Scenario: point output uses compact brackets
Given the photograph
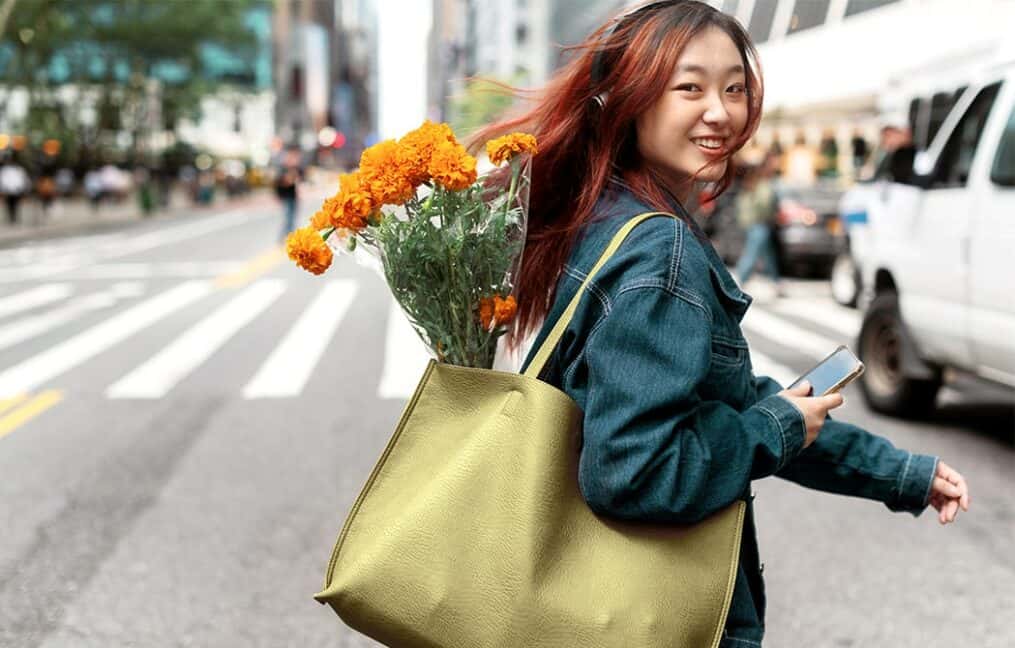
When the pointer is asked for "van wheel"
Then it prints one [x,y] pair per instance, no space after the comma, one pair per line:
[845,280]
[884,385]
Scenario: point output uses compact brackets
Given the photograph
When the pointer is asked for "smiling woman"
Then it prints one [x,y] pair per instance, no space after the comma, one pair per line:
[675,425]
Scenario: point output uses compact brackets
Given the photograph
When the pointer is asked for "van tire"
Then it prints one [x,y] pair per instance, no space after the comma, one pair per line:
[845,280]
[885,387]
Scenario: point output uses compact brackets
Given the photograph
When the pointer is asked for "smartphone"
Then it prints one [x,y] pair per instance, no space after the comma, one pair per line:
[833,373]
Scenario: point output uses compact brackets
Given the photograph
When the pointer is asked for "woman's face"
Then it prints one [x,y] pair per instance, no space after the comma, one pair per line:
[696,119]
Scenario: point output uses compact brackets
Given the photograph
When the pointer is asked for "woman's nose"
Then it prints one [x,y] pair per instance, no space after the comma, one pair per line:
[716,112]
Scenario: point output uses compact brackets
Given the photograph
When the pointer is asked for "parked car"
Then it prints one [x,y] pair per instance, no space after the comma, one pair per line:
[810,235]
[936,272]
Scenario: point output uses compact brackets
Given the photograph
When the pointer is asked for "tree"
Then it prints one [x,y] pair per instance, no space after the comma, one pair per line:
[133,65]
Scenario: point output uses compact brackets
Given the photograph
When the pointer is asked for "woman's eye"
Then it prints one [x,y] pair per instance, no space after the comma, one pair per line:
[738,89]
[689,87]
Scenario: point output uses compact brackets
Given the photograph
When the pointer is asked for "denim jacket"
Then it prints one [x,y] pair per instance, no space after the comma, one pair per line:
[676,424]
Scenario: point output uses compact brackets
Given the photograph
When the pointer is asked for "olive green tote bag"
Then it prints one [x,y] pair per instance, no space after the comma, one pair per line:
[471,531]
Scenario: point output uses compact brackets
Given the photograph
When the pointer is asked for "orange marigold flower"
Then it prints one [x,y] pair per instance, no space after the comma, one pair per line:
[354,203]
[323,217]
[306,247]
[504,309]
[417,149]
[494,310]
[486,312]
[452,166]
[504,148]
[383,169]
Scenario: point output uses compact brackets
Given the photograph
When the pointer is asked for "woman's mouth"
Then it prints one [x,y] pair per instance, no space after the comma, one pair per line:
[710,146]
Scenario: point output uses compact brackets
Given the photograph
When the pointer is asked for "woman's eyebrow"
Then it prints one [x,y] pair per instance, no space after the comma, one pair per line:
[692,67]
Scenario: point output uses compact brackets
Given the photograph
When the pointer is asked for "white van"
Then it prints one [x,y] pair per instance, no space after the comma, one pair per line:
[938,261]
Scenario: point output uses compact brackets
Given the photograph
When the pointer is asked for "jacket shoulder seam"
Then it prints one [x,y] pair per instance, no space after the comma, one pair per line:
[592,287]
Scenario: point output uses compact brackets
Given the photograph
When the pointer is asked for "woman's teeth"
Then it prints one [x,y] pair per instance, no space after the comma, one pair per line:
[712,144]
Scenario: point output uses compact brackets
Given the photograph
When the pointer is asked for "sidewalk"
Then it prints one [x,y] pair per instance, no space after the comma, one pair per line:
[69,216]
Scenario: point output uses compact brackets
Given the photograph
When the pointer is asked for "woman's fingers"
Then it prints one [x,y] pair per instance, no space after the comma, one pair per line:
[946,488]
[953,476]
[952,508]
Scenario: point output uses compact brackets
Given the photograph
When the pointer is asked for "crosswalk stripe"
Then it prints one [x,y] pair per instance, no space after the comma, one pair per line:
[766,366]
[133,245]
[34,298]
[405,357]
[162,372]
[287,369]
[54,361]
[147,270]
[783,333]
[843,321]
[29,327]
[29,410]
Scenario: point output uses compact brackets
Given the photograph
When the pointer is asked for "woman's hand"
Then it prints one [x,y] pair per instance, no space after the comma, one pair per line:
[814,408]
[948,493]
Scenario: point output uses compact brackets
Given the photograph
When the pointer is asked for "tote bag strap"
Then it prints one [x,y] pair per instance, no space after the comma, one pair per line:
[536,366]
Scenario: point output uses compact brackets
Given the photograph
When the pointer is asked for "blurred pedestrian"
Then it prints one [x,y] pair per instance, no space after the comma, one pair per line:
[45,189]
[675,425]
[799,164]
[14,184]
[896,154]
[93,188]
[757,207]
[829,152]
[289,174]
[860,149]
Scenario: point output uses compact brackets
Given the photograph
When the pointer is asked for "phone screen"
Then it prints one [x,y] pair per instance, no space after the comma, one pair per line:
[831,370]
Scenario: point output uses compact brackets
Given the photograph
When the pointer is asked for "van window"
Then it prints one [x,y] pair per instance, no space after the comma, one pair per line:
[957,156]
[1003,171]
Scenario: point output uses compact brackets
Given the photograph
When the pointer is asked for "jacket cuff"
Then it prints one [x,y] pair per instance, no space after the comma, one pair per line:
[788,423]
[912,490]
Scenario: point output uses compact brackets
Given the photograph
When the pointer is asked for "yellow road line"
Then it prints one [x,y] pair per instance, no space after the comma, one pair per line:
[29,410]
[257,266]
[7,403]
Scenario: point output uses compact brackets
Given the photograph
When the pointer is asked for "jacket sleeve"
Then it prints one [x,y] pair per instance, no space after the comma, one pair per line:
[652,448]
[848,460]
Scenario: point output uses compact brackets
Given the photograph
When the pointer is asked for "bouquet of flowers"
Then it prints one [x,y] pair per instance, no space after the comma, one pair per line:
[450,242]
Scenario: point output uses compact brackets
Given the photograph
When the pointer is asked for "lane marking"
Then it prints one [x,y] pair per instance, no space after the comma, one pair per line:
[56,360]
[405,356]
[34,298]
[29,327]
[842,320]
[29,411]
[257,266]
[162,372]
[766,366]
[158,238]
[286,371]
[7,403]
[791,336]
[165,269]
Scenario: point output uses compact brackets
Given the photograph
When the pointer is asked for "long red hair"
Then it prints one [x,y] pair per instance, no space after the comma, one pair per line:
[581,144]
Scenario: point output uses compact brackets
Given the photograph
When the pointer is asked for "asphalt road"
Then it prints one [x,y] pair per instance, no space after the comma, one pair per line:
[171,479]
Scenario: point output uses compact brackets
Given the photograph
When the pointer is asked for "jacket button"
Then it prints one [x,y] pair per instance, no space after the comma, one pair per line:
[761,568]
[753,495]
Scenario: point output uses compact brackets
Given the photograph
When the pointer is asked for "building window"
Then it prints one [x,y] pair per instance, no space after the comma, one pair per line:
[760,25]
[521,34]
[808,14]
[854,7]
